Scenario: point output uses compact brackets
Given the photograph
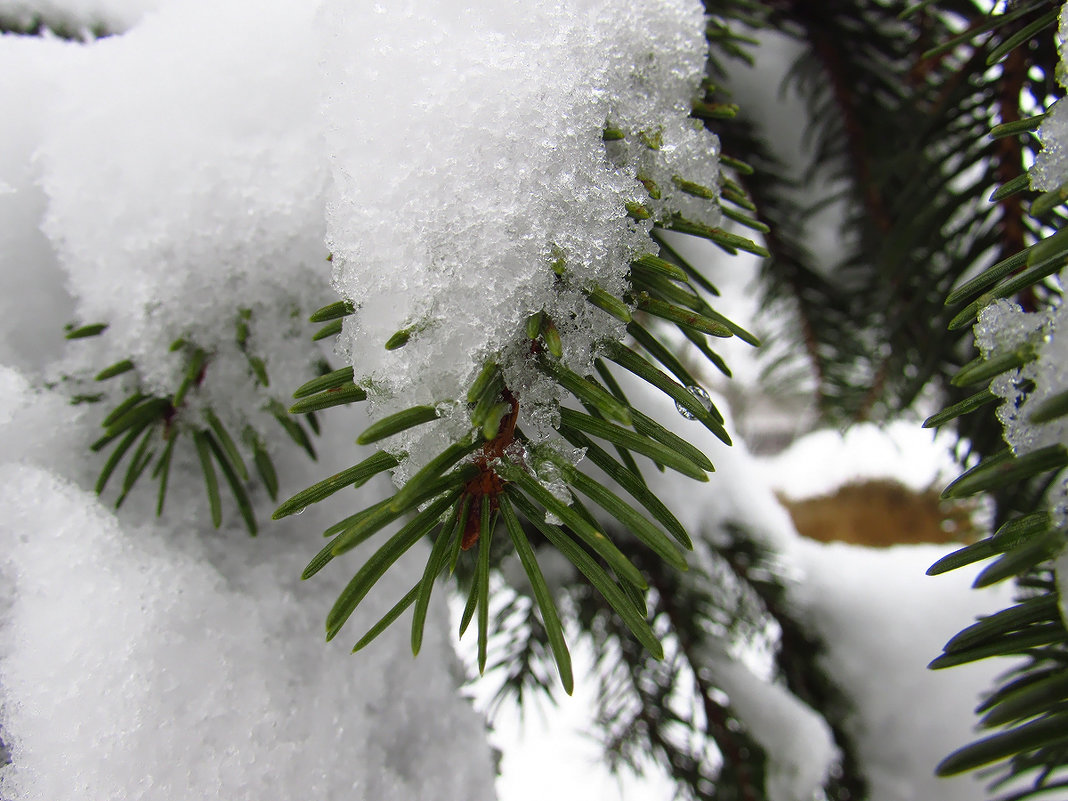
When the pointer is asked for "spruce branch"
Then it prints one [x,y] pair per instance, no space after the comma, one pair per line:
[156,423]
[1026,706]
[495,471]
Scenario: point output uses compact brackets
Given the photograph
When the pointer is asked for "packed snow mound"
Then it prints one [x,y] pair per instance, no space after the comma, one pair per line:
[473,187]
[165,660]
[140,663]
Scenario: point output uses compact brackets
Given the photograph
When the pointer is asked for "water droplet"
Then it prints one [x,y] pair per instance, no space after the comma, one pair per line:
[702,397]
[300,511]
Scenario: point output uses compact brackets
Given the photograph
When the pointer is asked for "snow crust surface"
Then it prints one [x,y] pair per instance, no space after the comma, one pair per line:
[139,667]
[481,166]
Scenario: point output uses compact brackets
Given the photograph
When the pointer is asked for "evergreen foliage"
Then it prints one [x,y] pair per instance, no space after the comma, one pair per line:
[510,479]
[923,122]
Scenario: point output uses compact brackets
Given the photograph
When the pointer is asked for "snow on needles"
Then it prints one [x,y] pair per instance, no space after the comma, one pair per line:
[469,159]
[184,177]
[1050,169]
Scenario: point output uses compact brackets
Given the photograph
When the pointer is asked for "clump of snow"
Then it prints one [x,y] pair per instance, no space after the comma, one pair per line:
[1050,169]
[825,459]
[1002,327]
[183,189]
[469,160]
[148,664]
[799,743]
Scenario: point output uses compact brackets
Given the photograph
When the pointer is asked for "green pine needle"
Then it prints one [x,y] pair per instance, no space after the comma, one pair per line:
[489,371]
[331,380]
[331,329]
[162,471]
[486,525]
[633,484]
[114,370]
[418,483]
[655,264]
[294,429]
[609,303]
[435,565]
[92,330]
[1051,409]
[1046,731]
[631,441]
[371,520]
[262,460]
[193,373]
[588,533]
[681,316]
[631,520]
[587,391]
[554,631]
[211,482]
[376,566]
[226,441]
[593,572]
[395,423]
[551,336]
[387,619]
[966,406]
[355,476]
[1003,469]
[244,504]
[982,369]
[332,311]
[338,396]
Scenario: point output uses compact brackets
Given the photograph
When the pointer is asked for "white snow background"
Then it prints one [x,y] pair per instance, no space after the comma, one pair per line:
[163,660]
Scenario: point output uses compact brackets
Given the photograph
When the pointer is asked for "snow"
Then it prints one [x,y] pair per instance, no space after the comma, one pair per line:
[151,660]
[161,181]
[30,75]
[140,665]
[453,201]
[798,741]
[1003,327]
[181,190]
[881,618]
[206,161]
[1050,169]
